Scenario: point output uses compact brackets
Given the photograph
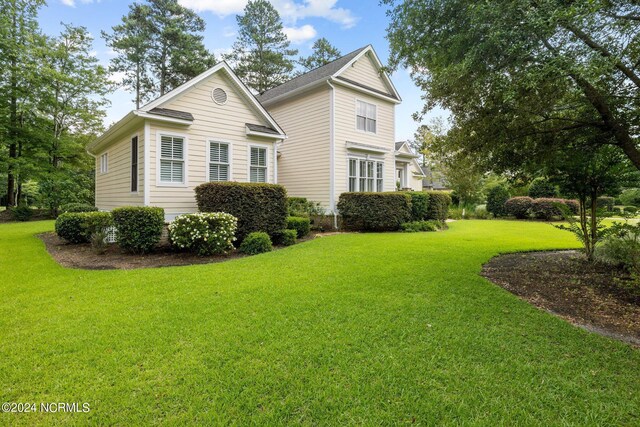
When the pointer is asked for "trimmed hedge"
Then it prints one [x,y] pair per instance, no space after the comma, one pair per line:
[496,198]
[301,225]
[256,243]
[573,205]
[439,203]
[78,207]
[139,227]
[258,207]
[285,237]
[419,205]
[77,227]
[547,208]
[417,226]
[374,211]
[520,207]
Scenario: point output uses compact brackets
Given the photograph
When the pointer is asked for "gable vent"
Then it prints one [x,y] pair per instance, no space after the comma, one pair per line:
[219,96]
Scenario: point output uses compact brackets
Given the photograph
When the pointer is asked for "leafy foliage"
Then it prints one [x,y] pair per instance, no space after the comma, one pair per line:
[547,208]
[439,202]
[419,205]
[496,199]
[71,227]
[605,203]
[139,227]
[541,187]
[323,52]
[630,197]
[416,226]
[257,242]
[205,233]
[22,213]
[374,211]
[519,207]
[300,206]
[302,225]
[77,207]
[285,237]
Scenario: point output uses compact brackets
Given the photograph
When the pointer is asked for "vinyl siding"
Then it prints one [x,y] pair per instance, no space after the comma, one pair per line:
[303,167]
[345,111]
[364,71]
[113,189]
[224,123]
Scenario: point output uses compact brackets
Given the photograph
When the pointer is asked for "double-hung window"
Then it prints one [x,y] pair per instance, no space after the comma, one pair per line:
[218,161]
[134,164]
[172,168]
[366,175]
[258,165]
[104,163]
[366,117]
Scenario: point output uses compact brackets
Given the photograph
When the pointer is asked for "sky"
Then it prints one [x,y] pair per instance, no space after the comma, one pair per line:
[347,24]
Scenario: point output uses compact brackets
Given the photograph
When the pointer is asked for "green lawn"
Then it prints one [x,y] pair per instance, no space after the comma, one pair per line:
[349,329]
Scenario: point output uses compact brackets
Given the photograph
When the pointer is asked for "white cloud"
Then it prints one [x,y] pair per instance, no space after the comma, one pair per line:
[72,3]
[117,77]
[299,35]
[290,10]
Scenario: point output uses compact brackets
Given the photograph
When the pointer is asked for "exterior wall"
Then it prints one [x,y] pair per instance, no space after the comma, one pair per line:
[113,189]
[303,166]
[345,122]
[364,71]
[415,182]
[224,123]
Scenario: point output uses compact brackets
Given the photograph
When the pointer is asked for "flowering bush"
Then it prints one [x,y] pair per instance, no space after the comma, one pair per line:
[205,233]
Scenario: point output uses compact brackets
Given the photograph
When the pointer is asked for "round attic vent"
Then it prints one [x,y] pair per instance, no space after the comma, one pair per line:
[219,96]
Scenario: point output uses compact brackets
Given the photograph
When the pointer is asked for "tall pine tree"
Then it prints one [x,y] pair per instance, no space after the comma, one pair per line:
[323,53]
[261,54]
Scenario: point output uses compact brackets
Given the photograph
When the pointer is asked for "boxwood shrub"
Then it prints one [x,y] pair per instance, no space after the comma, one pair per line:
[139,227]
[255,243]
[71,227]
[203,233]
[520,207]
[258,207]
[300,224]
[419,205]
[374,211]
[285,237]
[439,203]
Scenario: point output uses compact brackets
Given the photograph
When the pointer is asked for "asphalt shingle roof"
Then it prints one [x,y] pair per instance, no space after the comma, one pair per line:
[171,113]
[260,128]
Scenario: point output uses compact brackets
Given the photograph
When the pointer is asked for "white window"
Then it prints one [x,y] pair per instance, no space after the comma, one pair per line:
[171,159]
[218,161]
[258,165]
[104,163]
[366,117]
[366,175]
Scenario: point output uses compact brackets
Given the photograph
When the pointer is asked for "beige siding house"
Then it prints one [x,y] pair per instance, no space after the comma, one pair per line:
[209,129]
[339,121]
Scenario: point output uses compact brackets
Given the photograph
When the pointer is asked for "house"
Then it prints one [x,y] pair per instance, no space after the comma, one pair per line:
[212,128]
[433,180]
[339,121]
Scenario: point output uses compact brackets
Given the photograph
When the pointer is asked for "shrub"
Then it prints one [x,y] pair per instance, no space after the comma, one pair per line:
[573,205]
[416,226]
[496,198]
[605,203]
[300,206]
[419,205]
[285,237]
[203,233]
[630,210]
[630,197]
[300,224]
[258,207]
[22,213]
[374,211]
[139,227]
[77,207]
[439,203]
[97,221]
[520,207]
[547,208]
[481,212]
[71,226]
[542,188]
[622,248]
[256,242]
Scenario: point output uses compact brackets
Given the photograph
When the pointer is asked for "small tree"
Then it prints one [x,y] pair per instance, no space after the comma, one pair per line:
[541,187]
[496,198]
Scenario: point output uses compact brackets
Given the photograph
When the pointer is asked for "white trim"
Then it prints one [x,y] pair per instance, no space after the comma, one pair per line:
[185,154]
[147,162]
[160,118]
[275,162]
[375,160]
[104,165]
[365,131]
[135,135]
[356,146]
[208,157]
[266,158]
[263,134]
[332,154]
[365,90]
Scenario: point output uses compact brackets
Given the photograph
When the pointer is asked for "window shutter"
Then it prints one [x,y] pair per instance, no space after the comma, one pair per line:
[165,170]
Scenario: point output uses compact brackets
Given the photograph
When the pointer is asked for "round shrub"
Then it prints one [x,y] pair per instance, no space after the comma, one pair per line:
[496,198]
[139,227]
[285,237]
[204,233]
[70,226]
[542,188]
[520,207]
[22,213]
[256,243]
[77,207]
[300,224]
[547,208]
[95,222]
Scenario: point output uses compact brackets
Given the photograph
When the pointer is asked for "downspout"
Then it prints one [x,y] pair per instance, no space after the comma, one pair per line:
[332,159]
[147,161]
[275,161]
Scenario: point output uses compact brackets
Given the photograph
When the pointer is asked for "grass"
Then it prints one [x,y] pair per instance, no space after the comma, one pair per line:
[348,329]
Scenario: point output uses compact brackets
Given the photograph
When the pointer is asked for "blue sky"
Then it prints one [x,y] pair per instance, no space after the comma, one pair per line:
[348,24]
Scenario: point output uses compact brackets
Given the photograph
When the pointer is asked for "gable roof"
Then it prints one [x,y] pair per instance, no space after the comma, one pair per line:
[171,113]
[329,72]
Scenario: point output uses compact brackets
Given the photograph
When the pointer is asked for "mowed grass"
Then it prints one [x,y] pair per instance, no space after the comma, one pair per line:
[348,329]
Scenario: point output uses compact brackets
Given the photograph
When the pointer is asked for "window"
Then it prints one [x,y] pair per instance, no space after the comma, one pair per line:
[171,159]
[258,165]
[218,161]
[366,175]
[366,117]
[104,163]
[134,164]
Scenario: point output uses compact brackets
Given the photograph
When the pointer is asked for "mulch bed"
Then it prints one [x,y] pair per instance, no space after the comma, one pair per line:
[84,257]
[591,296]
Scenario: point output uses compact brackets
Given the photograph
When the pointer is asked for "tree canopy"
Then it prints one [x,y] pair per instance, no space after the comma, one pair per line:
[323,52]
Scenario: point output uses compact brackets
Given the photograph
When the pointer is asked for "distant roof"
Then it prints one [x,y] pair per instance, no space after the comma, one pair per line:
[320,73]
[399,145]
[260,128]
[171,113]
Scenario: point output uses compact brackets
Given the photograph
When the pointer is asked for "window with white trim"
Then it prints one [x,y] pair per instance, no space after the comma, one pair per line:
[218,161]
[171,159]
[366,175]
[366,117]
[104,163]
[258,165]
